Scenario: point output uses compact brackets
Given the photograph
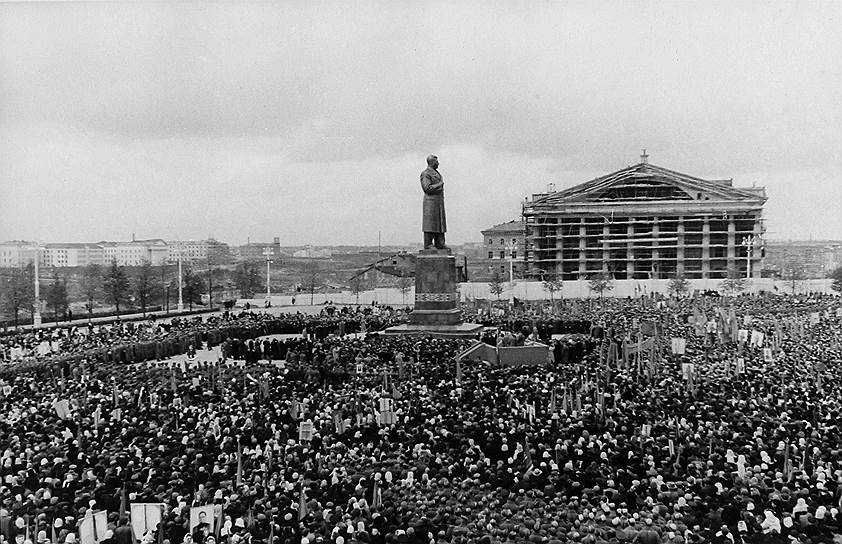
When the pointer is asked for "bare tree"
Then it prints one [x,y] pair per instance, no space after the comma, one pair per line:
[18,291]
[496,283]
[115,284]
[734,284]
[404,284]
[91,285]
[143,285]
[793,273]
[552,283]
[600,283]
[358,284]
[312,276]
[836,276]
[193,286]
[57,295]
[678,286]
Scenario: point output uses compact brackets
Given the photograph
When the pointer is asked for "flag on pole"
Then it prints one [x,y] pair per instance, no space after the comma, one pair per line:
[527,455]
[458,372]
[552,402]
[239,463]
[787,464]
[123,502]
[302,505]
[376,495]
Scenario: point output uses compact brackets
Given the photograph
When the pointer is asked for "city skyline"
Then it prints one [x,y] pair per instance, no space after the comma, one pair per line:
[257,120]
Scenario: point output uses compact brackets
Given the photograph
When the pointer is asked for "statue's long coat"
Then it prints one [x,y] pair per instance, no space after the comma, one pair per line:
[434,219]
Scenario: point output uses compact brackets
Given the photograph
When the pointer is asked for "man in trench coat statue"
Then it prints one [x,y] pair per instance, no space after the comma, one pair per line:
[434,223]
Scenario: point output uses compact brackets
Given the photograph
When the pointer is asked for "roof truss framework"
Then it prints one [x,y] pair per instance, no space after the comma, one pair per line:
[649,183]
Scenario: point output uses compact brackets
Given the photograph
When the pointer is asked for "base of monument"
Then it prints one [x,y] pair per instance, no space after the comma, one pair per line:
[461,330]
[435,318]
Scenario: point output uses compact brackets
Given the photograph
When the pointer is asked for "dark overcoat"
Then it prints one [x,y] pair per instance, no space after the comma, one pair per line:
[433,186]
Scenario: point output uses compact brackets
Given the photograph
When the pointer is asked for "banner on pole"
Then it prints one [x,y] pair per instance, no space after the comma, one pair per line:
[93,526]
[305,431]
[679,346]
[62,408]
[202,518]
[145,517]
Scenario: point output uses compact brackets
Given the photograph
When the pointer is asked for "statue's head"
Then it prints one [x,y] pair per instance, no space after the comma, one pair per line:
[432,161]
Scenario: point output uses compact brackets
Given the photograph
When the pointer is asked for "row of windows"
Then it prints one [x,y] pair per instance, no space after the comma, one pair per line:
[502,254]
[489,241]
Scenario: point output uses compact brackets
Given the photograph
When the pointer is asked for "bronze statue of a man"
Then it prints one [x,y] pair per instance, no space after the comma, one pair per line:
[434,223]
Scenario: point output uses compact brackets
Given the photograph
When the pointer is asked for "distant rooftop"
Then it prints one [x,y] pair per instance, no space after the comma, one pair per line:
[510,226]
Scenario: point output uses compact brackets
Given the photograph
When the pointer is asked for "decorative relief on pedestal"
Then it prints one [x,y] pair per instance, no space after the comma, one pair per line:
[435,297]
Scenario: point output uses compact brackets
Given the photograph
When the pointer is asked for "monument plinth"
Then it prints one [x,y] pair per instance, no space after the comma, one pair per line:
[436,310]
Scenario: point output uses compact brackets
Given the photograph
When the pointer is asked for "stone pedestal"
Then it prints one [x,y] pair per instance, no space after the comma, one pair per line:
[436,300]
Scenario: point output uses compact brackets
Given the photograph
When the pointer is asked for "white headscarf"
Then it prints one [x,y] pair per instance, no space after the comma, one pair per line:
[771,524]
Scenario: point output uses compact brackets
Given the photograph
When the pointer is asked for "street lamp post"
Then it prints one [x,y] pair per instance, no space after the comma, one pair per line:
[180,299]
[36,314]
[268,252]
[749,242]
[511,249]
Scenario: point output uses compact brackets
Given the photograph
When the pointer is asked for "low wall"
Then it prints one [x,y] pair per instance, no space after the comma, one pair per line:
[534,290]
[479,353]
[537,354]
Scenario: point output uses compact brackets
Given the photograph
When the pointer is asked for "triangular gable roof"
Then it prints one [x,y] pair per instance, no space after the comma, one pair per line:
[666,185]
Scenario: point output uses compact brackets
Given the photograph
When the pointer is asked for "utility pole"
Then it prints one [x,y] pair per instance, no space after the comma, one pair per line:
[163,285]
[511,249]
[210,282]
[180,306]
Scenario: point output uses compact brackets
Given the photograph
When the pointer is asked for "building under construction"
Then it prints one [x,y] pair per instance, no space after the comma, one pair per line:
[644,222]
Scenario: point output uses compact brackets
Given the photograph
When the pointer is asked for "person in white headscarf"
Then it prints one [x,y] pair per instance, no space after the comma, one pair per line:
[770,524]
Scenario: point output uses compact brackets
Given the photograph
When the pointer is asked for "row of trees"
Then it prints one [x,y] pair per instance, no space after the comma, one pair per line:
[112,285]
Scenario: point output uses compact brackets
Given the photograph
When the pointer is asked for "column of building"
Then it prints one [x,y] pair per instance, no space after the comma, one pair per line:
[630,249]
[656,254]
[757,249]
[705,247]
[606,252]
[582,248]
[732,245]
[679,250]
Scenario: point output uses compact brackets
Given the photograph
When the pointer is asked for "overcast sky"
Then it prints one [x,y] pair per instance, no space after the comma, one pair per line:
[311,121]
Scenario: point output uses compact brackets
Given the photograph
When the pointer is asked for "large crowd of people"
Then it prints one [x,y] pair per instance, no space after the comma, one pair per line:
[730,435]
